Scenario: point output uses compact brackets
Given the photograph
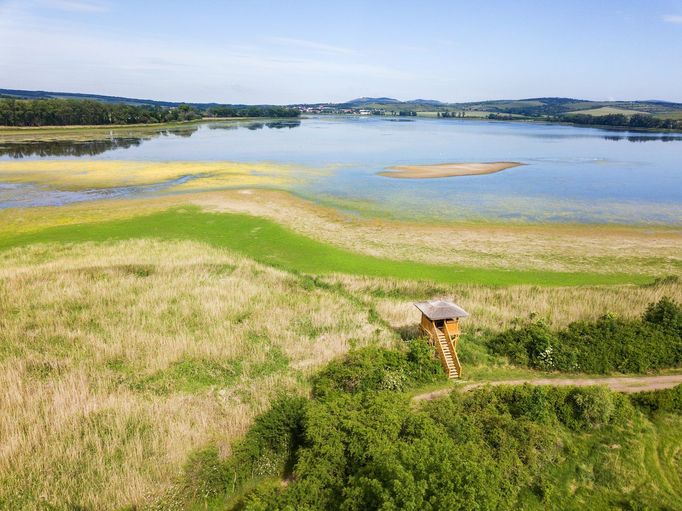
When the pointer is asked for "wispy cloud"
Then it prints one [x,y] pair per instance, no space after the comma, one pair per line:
[65,55]
[78,5]
[311,45]
[673,18]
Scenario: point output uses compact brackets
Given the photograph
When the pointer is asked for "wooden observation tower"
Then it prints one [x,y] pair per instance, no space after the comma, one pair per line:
[440,321]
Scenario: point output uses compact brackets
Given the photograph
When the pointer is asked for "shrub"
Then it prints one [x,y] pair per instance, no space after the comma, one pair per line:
[665,314]
[373,368]
[267,450]
[370,451]
[527,345]
[475,450]
[603,346]
[667,400]
[206,475]
[574,407]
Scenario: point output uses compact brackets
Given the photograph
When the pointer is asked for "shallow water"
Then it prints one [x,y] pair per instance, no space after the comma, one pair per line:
[27,195]
[570,174]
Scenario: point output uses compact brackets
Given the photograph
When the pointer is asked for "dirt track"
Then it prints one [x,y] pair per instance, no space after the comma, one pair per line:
[627,384]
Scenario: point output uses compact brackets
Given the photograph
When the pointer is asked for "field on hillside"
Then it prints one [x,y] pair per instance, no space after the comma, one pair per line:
[606,110]
[670,115]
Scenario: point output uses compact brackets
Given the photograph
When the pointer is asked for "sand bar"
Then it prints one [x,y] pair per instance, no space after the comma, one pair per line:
[447,169]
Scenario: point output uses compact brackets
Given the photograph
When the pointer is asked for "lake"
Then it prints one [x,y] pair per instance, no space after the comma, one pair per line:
[571,174]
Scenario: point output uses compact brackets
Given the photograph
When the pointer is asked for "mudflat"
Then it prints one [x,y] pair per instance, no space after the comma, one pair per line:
[447,169]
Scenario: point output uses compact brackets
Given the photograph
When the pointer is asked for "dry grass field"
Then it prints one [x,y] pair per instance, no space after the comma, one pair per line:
[120,358]
[117,360]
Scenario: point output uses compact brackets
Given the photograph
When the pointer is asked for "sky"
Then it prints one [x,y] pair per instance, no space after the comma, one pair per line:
[296,51]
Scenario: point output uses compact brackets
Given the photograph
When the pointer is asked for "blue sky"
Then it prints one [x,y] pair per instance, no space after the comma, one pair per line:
[308,51]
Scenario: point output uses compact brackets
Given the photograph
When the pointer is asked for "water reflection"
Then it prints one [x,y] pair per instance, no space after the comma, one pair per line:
[257,125]
[66,148]
[120,139]
[93,147]
[643,138]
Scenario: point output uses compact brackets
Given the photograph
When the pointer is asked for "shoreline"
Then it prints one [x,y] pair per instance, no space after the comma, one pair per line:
[10,130]
[441,170]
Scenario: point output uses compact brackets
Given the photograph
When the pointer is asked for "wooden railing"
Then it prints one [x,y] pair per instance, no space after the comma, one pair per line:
[434,334]
[452,344]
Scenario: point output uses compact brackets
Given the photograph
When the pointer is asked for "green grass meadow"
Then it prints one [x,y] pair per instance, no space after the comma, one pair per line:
[269,243]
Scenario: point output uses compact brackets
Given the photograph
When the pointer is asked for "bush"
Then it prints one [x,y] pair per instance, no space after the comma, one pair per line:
[370,451]
[267,450]
[578,408]
[667,400]
[357,445]
[666,314]
[528,345]
[269,446]
[475,450]
[603,346]
[377,369]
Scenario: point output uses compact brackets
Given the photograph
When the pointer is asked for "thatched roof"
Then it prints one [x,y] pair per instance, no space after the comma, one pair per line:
[440,309]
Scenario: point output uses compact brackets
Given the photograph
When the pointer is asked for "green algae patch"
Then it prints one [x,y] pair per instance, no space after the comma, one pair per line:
[270,243]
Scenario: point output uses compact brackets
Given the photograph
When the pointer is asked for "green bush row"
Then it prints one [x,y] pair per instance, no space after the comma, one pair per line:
[380,369]
[479,450]
[604,346]
[658,401]
[359,444]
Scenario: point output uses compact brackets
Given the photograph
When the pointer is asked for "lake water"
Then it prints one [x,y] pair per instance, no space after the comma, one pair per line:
[571,174]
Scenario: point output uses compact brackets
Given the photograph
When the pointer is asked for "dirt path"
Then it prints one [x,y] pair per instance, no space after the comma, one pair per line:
[627,384]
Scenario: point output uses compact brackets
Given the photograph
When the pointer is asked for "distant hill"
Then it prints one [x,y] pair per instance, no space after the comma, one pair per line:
[29,94]
[360,102]
[529,107]
[426,102]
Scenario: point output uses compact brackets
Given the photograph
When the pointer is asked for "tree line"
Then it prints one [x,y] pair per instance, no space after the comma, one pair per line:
[73,112]
[636,121]
[619,120]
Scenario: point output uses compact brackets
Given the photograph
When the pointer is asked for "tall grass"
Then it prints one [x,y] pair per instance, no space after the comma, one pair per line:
[128,343]
[116,360]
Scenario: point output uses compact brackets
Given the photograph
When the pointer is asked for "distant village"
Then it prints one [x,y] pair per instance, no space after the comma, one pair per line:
[344,109]
[335,109]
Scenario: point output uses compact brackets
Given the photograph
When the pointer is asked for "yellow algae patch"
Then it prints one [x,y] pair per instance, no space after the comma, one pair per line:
[21,220]
[81,175]
[447,169]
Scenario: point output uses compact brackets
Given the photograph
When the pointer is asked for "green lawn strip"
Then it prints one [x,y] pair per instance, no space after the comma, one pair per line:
[270,243]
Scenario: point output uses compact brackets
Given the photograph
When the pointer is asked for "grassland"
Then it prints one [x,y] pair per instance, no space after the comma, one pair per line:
[119,358]
[557,248]
[670,115]
[81,133]
[267,242]
[134,332]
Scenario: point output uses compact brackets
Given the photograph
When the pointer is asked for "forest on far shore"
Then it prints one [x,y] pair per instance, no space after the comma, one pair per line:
[74,112]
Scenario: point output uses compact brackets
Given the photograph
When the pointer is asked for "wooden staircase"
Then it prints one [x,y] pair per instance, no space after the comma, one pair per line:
[440,322]
[447,354]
